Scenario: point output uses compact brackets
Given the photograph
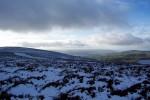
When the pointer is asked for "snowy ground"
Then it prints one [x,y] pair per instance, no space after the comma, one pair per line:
[146,62]
[72,80]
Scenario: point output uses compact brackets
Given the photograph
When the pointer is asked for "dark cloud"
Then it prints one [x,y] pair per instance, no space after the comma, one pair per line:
[30,15]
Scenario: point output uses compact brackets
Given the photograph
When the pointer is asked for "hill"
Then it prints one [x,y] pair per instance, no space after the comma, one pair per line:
[88,52]
[131,56]
[33,53]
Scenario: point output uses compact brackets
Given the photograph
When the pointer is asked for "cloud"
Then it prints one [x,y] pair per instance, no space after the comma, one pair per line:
[35,15]
[118,40]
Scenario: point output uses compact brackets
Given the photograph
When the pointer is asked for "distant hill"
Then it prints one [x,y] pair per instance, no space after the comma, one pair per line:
[88,52]
[125,56]
[33,53]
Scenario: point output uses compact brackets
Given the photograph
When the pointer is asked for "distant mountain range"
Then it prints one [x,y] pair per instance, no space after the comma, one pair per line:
[102,55]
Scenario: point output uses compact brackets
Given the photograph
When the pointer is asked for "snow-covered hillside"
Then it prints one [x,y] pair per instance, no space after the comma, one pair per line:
[23,76]
[35,53]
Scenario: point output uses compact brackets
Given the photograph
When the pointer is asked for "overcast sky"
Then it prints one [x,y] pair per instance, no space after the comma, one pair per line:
[75,24]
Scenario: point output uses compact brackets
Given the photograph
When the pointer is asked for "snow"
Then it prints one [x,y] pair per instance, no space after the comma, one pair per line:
[50,92]
[27,56]
[147,62]
[127,81]
[120,98]
[24,89]
[50,78]
[23,55]
[4,76]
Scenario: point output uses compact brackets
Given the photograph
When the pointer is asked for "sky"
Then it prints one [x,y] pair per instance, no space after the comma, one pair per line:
[75,24]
